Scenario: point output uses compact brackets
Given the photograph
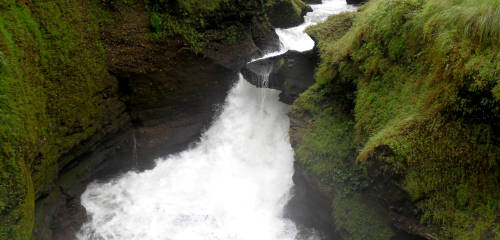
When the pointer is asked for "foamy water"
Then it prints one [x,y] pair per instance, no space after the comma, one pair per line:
[233,185]
[295,39]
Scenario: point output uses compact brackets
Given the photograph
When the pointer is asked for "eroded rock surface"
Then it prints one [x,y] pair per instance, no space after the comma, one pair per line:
[292,73]
[171,95]
[287,13]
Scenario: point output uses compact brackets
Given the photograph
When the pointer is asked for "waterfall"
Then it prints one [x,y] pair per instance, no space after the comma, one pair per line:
[134,149]
[263,82]
[232,185]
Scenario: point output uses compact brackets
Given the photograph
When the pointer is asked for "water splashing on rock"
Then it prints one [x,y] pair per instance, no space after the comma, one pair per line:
[232,185]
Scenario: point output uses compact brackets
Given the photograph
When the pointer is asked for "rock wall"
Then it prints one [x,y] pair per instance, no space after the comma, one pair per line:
[85,81]
[401,126]
[58,100]
[286,13]
[292,73]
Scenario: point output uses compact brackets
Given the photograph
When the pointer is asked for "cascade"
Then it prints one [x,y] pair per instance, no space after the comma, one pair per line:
[233,184]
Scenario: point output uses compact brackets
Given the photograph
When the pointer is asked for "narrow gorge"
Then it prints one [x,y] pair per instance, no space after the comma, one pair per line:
[249,119]
[233,183]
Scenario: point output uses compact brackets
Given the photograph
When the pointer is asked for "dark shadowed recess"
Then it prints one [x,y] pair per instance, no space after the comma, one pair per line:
[310,209]
[163,128]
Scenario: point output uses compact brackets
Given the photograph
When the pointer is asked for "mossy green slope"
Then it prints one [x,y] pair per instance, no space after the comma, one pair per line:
[413,86]
[54,83]
[189,19]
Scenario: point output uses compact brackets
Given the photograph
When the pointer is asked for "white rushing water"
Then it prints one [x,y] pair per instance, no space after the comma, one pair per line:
[233,185]
[295,39]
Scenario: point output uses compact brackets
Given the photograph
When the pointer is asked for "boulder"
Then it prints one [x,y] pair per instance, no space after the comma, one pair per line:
[263,34]
[287,13]
[292,73]
[313,1]
[309,207]
[356,2]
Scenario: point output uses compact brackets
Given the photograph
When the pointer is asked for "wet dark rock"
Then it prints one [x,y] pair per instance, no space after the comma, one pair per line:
[309,208]
[287,13]
[356,2]
[161,126]
[233,55]
[292,73]
[397,204]
[171,95]
[171,122]
[383,195]
[313,1]
[264,36]
[168,95]
[59,214]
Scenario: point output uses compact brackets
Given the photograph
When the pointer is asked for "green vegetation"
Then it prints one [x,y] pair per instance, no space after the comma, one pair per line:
[190,19]
[185,20]
[364,221]
[327,149]
[413,88]
[52,79]
[329,146]
[299,6]
[285,13]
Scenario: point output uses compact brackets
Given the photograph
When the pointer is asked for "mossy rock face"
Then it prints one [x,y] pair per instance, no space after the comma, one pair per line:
[56,94]
[419,91]
[356,2]
[313,1]
[58,98]
[263,34]
[334,28]
[286,13]
[357,217]
[200,23]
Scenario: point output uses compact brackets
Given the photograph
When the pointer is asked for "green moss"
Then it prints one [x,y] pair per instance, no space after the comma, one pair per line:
[193,6]
[424,81]
[360,219]
[165,25]
[333,28]
[189,20]
[53,78]
[285,13]
[327,149]
[496,91]
[299,7]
